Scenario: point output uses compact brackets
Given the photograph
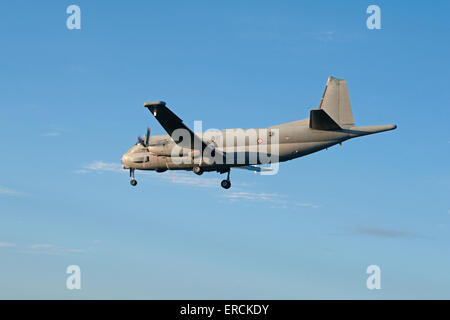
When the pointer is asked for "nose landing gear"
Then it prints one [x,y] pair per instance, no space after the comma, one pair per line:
[133,182]
[226,184]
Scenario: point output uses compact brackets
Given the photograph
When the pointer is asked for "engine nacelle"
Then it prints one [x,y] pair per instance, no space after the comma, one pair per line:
[166,151]
[160,150]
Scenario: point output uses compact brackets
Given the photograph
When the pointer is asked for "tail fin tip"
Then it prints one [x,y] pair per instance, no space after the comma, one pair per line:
[336,102]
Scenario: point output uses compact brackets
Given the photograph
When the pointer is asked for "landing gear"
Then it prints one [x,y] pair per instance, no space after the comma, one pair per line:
[226,184]
[133,182]
[197,170]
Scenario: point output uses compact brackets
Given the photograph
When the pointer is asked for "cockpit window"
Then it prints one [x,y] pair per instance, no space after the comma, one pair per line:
[141,160]
[138,149]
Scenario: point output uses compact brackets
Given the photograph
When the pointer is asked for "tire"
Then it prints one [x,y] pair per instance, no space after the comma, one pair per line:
[197,170]
[225,184]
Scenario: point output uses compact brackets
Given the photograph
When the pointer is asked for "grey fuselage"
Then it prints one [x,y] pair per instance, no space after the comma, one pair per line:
[280,143]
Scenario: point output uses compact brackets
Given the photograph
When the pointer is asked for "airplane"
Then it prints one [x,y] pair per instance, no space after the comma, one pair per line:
[182,149]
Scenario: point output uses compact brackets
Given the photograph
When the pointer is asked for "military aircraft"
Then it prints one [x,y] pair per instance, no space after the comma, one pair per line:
[183,149]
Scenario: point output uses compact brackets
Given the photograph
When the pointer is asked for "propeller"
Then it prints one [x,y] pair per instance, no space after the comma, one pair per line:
[147,137]
[145,141]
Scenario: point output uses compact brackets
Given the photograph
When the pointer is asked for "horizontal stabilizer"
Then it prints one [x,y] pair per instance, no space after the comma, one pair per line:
[320,120]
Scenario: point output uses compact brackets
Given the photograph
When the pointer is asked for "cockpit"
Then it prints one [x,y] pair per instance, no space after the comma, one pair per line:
[138,148]
[138,154]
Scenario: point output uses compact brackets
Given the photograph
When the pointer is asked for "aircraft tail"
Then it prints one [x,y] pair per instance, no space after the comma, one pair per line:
[336,102]
[335,111]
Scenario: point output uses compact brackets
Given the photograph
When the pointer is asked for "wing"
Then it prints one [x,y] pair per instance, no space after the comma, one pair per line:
[170,122]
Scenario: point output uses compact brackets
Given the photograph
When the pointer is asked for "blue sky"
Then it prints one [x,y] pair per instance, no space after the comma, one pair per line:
[71,105]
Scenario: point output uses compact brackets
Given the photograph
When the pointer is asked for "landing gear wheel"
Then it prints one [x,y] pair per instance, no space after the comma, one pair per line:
[226,184]
[133,182]
[197,170]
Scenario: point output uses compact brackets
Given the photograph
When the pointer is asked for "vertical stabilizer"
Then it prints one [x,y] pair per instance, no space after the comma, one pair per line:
[336,102]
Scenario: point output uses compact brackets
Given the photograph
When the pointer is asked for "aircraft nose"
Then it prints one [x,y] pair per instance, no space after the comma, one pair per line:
[125,161]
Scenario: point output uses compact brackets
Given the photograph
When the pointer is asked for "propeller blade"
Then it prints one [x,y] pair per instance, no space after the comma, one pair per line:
[147,137]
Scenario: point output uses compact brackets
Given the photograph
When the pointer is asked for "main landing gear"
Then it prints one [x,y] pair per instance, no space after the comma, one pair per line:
[226,184]
[133,182]
[197,170]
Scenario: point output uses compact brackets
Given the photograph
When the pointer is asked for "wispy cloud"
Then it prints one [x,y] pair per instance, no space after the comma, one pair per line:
[76,69]
[75,250]
[274,199]
[7,245]
[173,177]
[255,196]
[307,204]
[48,248]
[384,233]
[51,134]
[100,166]
[324,35]
[42,246]
[188,179]
[291,38]
[10,192]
